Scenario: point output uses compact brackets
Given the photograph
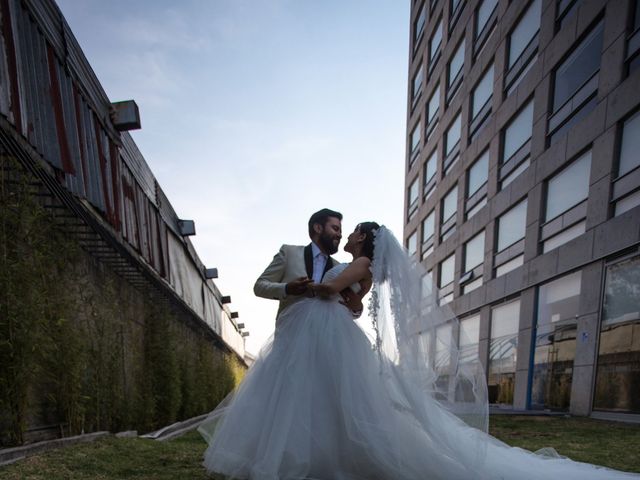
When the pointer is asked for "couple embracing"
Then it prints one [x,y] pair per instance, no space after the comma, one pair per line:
[296,271]
[321,402]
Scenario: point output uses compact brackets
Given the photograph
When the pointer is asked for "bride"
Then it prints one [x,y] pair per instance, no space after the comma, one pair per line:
[321,403]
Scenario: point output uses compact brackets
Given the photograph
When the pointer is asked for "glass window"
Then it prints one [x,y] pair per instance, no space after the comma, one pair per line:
[413,193]
[417,82]
[622,291]
[627,203]
[446,271]
[477,207]
[524,32]
[485,10]
[630,145]
[456,64]
[503,349]
[469,339]
[555,342]
[450,204]
[478,174]
[578,68]
[453,133]
[444,339]
[618,371]
[482,92]
[512,225]
[420,21]
[436,40]
[415,139]
[566,9]
[518,132]
[569,187]
[431,167]
[426,286]
[434,104]
[412,244]
[515,173]
[474,252]
[428,226]
[472,285]
[510,265]
[564,236]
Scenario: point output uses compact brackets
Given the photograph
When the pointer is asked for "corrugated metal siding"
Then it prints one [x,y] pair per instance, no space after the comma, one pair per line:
[8,70]
[18,103]
[139,168]
[50,93]
[130,216]
[167,212]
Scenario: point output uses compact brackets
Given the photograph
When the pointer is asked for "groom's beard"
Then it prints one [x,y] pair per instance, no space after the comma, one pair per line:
[327,243]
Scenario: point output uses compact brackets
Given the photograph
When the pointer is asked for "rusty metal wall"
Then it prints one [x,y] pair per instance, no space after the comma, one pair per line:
[53,99]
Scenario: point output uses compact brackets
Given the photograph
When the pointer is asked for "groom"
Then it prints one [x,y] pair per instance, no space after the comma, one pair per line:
[294,267]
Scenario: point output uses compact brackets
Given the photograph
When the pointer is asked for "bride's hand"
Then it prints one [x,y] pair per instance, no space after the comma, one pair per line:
[352,301]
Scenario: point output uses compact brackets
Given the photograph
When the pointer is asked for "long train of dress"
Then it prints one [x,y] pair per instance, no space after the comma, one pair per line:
[315,406]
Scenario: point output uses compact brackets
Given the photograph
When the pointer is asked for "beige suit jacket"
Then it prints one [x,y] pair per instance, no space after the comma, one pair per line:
[287,265]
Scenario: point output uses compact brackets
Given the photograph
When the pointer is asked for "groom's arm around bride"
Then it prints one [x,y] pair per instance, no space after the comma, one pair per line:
[294,267]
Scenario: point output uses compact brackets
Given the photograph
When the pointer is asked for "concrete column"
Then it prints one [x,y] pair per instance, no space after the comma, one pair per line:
[527,322]
[584,364]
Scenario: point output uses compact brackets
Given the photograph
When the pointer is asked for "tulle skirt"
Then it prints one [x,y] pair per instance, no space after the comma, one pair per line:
[315,406]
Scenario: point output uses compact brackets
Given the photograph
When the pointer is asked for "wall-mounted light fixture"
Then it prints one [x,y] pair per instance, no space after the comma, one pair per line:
[125,115]
[225,299]
[187,227]
[211,273]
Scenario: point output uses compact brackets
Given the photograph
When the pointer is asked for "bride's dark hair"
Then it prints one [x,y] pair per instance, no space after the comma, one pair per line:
[369,229]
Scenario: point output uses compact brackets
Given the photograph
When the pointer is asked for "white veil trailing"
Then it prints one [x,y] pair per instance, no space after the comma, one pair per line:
[319,403]
[418,340]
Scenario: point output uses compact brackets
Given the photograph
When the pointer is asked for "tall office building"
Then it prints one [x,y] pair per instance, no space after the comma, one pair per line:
[523,192]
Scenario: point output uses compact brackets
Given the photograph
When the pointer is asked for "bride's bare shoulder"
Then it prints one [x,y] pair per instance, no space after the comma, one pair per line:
[362,262]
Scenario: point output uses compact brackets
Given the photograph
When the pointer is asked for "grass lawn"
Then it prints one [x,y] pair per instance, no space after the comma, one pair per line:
[611,444]
[605,443]
[115,458]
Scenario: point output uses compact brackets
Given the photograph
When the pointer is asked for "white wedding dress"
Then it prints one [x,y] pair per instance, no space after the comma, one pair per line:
[321,403]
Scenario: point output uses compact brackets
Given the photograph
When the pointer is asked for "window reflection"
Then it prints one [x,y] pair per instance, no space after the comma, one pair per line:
[555,342]
[482,92]
[618,372]
[484,13]
[478,174]
[569,187]
[518,132]
[511,226]
[474,252]
[525,31]
[503,348]
[469,339]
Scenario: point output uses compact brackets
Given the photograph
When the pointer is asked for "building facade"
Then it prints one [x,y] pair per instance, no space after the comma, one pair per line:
[523,192]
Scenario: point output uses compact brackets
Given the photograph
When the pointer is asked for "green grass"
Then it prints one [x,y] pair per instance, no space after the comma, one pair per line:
[611,444]
[605,443]
[116,458]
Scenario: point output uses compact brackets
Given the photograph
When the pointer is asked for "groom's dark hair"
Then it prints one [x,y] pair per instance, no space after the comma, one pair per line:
[321,217]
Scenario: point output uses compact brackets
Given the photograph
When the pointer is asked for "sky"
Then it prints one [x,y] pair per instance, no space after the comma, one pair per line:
[257,113]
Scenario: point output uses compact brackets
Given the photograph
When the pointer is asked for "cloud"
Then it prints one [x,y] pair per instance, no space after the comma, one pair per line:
[257,113]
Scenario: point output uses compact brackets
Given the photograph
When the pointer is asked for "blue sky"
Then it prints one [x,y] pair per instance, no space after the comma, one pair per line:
[255,114]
